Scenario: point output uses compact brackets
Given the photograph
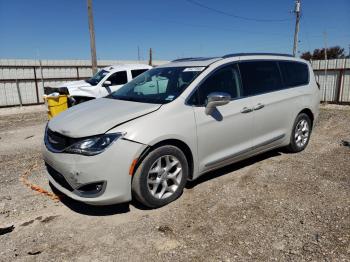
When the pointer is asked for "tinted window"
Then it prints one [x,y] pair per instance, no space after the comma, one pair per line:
[223,80]
[137,72]
[294,73]
[97,77]
[260,77]
[119,78]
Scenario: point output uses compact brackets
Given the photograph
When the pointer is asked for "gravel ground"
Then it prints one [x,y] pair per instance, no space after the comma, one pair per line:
[275,206]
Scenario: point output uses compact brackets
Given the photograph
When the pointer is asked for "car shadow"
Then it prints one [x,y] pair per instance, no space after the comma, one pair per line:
[109,210]
[232,167]
[90,210]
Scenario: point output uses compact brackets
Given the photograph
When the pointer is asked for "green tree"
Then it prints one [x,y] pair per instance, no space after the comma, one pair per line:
[319,54]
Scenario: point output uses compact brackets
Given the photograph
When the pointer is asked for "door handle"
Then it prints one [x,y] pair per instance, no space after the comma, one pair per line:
[258,106]
[246,110]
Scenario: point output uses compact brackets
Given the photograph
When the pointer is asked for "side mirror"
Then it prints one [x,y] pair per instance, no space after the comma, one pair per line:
[107,83]
[216,99]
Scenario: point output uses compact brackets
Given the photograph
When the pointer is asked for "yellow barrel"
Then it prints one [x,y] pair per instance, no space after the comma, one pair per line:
[56,104]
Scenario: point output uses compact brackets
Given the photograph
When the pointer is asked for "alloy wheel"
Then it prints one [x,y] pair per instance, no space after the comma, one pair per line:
[164,177]
[302,132]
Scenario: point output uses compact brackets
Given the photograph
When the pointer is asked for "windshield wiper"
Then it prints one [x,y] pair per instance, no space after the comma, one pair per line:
[91,82]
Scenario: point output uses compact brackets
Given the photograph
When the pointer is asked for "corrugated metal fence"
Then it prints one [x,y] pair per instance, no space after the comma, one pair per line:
[334,79]
[25,79]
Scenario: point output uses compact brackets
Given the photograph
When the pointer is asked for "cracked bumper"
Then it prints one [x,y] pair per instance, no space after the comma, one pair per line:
[111,166]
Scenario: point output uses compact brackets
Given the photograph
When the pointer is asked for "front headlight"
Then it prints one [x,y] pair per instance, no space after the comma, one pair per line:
[93,145]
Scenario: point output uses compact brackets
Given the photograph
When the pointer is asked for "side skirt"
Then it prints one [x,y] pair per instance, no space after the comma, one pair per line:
[243,154]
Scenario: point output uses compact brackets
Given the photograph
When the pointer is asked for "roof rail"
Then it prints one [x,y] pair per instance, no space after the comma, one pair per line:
[193,59]
[255,54]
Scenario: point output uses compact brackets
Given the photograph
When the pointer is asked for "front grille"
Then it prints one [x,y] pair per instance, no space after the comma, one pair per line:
[59,178]
[57,141]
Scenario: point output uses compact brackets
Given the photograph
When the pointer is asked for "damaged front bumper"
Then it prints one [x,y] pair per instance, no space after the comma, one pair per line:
[102,179]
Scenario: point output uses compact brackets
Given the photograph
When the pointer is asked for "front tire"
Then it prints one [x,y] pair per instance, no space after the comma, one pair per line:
[161,177]
[300,134]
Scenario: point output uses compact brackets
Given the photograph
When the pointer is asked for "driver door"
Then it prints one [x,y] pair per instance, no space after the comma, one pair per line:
[117,80]
[226,134]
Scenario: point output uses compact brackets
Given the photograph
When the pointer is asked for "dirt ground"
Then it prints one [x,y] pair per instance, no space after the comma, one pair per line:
[277,206]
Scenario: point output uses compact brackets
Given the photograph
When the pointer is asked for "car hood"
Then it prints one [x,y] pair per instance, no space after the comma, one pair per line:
[98,116]
[79,88]
[74,84]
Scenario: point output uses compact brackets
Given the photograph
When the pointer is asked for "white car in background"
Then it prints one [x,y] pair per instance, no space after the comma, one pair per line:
[103,83]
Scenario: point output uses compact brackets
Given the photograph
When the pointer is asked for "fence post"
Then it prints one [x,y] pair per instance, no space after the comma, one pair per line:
[339,85]
[42,76]
[36,86]
[19,93]
[325,80]
[77,72]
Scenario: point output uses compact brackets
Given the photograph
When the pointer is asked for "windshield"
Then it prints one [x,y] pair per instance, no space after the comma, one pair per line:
[97,77]
[158,85]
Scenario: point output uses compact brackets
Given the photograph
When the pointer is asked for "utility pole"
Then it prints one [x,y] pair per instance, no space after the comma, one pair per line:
[297,22]
[150,57]
[41,68]
[41,73]
[326,67]
[92,37]
[138,53]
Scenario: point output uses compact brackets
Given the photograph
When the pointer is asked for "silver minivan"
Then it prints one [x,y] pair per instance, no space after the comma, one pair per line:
[178,121]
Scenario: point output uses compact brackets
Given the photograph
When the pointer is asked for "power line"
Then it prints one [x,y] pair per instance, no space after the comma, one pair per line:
[234,15]
[224,29]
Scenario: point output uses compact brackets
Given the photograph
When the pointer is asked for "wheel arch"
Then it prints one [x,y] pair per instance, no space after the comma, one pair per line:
[309,113]
[169,142]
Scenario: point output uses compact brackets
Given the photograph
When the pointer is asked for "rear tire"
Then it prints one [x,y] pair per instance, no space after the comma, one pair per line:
[300,135]
[161,177]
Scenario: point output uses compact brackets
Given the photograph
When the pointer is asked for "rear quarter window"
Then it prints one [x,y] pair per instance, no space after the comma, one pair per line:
[118,78]
[294,73]
[260,77]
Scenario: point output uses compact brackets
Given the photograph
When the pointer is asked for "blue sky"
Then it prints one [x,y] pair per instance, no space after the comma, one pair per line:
[173,28]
